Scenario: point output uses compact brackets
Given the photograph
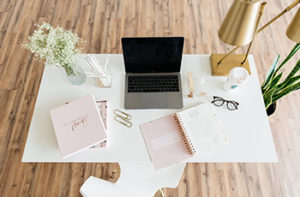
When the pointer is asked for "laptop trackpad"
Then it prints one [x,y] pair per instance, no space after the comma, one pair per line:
[154,100]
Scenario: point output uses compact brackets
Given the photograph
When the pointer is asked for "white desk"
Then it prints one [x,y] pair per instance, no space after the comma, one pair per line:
[250,137]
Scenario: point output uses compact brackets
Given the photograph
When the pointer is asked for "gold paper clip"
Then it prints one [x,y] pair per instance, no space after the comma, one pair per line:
[122,115]
[123,118]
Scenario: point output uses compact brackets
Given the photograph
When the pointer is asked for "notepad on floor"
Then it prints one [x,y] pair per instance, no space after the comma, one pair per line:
[78,126]
[179,136]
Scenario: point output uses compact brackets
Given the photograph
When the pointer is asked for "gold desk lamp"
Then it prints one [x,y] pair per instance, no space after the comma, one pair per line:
[240,27]
[293,30]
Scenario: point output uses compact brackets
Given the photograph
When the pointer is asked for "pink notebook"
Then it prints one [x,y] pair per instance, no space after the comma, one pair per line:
[179,136]
[164,142]
[102,107]
[78,126]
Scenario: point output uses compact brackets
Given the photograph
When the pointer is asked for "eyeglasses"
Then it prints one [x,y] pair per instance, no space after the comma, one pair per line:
[219,101]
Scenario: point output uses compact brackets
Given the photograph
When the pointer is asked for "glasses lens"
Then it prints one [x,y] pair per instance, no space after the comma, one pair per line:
[231,106]
[218,102]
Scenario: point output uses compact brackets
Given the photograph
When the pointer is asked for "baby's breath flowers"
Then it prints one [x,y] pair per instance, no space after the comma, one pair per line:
[57,45]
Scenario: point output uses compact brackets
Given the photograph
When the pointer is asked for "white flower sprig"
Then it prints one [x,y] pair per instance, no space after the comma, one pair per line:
[57,45]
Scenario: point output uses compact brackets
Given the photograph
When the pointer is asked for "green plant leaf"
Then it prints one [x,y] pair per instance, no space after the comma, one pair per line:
[295,69]
[268,97]
[287,82]
[290,55]
[286,91]
[270,73]
[274,81]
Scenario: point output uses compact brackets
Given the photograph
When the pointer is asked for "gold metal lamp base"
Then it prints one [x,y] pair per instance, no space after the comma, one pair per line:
[227,64]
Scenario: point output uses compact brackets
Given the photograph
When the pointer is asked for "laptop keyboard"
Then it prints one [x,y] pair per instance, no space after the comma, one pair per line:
[153,83]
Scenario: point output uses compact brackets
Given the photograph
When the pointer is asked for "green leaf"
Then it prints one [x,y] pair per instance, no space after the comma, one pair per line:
[295,69]
[274,82]
[286,91]
[287,82]
[268,97]
[291,54]
[270,72]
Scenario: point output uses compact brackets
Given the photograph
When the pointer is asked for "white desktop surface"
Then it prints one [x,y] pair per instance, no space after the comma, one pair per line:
[250,137]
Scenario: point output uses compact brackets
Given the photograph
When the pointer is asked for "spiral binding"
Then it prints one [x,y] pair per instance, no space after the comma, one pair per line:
[184,135]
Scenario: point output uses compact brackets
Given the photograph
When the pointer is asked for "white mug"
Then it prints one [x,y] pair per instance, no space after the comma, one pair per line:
[237,76]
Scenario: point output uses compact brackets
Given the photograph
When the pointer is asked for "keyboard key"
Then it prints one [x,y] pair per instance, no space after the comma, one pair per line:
[154,83]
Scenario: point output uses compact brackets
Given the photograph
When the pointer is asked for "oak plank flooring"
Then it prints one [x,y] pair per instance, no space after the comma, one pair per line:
[102,23]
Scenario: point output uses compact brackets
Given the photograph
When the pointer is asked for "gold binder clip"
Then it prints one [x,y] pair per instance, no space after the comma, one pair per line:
[122,118]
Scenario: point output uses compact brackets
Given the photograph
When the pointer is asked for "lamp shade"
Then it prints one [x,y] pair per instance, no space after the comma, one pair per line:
[240,24]
[293,30]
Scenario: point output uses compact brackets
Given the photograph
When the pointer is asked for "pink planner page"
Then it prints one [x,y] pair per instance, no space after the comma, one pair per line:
[164,142]
[78,125]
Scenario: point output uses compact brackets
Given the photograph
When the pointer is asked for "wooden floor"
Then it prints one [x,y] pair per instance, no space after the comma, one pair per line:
[102,23]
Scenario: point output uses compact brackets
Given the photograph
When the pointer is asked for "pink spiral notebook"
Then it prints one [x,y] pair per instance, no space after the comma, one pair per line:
[78,125]
[182,135]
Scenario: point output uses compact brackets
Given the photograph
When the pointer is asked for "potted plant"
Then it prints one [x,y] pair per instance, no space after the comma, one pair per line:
[58,47]
[273,88]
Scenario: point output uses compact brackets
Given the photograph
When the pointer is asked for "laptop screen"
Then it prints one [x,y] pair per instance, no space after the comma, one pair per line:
[152,55]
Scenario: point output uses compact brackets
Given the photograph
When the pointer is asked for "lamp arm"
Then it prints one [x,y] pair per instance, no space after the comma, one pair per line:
[261,11]
[294,4]
[291,6]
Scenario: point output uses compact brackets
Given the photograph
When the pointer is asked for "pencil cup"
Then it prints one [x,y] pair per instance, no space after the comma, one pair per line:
[104,81]
[97,67]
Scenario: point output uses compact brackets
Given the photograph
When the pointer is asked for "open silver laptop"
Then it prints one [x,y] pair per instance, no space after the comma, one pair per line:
[152,68]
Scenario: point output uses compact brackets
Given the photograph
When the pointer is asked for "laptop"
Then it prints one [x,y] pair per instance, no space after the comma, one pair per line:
[152,66]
